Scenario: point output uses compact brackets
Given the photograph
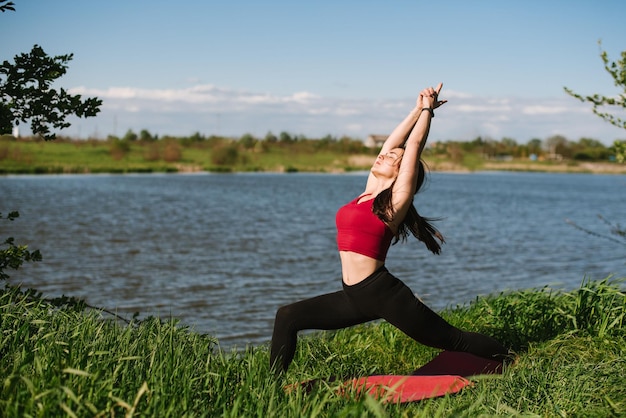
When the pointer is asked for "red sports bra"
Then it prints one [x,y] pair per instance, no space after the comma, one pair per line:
[359,230]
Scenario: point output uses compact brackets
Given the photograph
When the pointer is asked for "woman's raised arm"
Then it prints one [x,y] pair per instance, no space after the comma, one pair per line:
[399,135]
[405,184]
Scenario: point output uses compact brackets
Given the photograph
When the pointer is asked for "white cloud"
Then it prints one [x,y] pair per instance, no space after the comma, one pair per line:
[453,94]
[478,108]
[544,110]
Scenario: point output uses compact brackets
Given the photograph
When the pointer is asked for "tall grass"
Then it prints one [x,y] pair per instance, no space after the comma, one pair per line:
[72,361]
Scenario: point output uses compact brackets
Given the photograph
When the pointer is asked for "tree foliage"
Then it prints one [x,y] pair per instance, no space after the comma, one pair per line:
[6,5]
[617,70]
[13,256]
[26,95]
[619,150]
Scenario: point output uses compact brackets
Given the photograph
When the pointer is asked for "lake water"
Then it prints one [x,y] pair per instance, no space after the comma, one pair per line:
[222,252]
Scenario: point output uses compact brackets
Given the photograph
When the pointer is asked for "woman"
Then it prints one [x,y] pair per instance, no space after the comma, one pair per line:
[365,229]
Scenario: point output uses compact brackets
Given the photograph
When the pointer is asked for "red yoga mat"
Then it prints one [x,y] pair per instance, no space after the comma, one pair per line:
[400,389]
[445,374]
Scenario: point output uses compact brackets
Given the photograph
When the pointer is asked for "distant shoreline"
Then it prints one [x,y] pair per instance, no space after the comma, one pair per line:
[576,168]
[67,157]
[586,168]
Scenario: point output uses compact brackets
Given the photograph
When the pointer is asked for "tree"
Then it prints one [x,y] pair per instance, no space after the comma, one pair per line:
[285,138]
[557,146]
[197,137]
[25,94]
[534,146]
[8,5]
[619,150]
[617,70]
[226,154]
[146,136]
[130,136]
[270,137]
[247,141]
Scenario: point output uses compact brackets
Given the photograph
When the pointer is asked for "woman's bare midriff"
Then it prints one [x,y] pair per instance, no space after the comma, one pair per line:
[355,267]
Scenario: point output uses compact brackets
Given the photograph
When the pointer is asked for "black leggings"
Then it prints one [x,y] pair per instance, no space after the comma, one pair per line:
[381,295]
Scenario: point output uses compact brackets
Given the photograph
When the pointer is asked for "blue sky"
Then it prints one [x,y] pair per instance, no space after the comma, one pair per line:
[328,67]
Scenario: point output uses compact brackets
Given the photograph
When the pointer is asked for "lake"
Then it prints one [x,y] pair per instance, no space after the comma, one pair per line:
[222,252]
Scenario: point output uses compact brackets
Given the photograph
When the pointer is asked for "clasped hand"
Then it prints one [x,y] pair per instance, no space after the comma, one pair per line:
[429,97]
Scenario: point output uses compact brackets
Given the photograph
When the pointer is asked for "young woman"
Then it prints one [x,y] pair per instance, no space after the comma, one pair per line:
[366,227]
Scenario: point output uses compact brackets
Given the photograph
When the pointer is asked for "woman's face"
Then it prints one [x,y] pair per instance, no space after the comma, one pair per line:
[389,163]
[393,157]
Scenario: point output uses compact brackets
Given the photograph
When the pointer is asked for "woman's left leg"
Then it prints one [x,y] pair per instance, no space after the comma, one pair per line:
[325,312]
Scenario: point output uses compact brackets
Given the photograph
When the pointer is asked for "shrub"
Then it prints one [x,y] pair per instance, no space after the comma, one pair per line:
[225,155]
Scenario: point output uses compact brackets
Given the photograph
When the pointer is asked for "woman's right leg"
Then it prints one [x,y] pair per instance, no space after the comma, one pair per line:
[325,312]
[387,297]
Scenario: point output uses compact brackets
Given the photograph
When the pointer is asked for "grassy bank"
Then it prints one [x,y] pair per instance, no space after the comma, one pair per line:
[97,156]
[59,361]
[58,157]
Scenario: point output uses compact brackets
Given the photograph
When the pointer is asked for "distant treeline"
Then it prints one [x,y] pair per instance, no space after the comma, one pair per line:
[556,147]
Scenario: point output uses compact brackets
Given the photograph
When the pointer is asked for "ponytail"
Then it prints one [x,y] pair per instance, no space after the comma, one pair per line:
[420,227]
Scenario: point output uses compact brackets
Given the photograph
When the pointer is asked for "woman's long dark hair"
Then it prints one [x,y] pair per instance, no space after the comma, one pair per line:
[413,222]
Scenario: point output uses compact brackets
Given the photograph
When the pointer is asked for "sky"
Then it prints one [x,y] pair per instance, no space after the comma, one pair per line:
[328,67]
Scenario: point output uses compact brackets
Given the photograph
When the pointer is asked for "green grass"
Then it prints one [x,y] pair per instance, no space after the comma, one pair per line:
[66,361]
[57,157]
[72,157]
